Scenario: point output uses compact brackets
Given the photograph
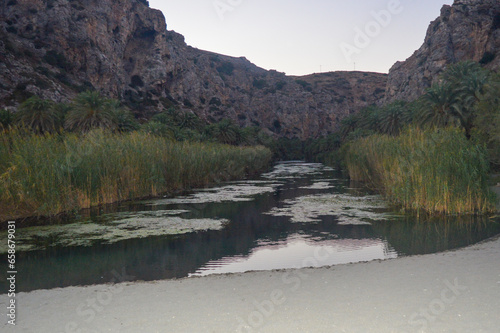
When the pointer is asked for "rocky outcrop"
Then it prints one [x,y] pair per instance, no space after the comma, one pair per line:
[468,30]
[57,48]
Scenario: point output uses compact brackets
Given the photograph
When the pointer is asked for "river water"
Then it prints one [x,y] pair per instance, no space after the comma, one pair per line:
[297,215]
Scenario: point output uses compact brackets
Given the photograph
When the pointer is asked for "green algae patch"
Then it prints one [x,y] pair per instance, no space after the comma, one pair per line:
[349,210]
[230,193]
[89,233]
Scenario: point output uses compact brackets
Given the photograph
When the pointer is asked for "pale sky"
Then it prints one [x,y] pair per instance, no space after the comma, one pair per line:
[301,37]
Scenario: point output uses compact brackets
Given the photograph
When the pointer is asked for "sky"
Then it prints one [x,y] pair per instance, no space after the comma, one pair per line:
[300,37]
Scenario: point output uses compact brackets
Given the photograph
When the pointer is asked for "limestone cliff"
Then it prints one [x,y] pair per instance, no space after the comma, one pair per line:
[56,48]
[468,30]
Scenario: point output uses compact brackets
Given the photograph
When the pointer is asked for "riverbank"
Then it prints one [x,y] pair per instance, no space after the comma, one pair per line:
[456,291]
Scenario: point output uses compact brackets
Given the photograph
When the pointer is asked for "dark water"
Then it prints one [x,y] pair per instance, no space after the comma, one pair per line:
[299,215]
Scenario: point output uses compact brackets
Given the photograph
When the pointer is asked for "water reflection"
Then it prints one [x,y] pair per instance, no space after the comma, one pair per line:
[317,219]
[298,252]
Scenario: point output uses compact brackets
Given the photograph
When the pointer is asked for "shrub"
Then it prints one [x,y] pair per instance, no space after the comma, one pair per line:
[259,84]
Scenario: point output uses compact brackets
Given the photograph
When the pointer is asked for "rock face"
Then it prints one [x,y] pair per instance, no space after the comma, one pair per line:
[57,48]
[468,30]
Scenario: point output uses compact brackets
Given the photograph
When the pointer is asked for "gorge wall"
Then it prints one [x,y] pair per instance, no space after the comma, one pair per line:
[467,30]
[56,48]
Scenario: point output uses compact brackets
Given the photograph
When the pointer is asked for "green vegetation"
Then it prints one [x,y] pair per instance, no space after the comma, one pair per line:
[90,110]
[487,121]
[226,68]
[259,84]
[6,118]
[433,154]
[52,173]
[39,115]
[434,170]
[57,157]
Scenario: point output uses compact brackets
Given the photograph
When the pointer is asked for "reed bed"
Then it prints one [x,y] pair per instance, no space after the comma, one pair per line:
[54,173]
[437,171]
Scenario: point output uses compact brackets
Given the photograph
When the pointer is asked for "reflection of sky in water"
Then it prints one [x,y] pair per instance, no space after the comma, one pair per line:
[298,252]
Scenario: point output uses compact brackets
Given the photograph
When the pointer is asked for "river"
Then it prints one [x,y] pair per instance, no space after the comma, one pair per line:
[297,215]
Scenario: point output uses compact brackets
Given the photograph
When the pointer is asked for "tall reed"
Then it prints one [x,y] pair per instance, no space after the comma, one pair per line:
[53,173]
[436,171]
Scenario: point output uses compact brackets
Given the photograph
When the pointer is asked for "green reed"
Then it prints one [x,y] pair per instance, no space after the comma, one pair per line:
[54,173]
[436,171]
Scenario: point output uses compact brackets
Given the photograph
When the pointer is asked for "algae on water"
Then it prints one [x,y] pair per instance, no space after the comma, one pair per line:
[233,192]
[349,210]
[86,233]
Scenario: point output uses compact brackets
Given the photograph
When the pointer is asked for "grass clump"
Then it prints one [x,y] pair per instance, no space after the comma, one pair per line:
[53,173]
[437,171]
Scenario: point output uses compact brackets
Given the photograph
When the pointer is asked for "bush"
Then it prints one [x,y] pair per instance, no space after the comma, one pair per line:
[259,84]
[226,68]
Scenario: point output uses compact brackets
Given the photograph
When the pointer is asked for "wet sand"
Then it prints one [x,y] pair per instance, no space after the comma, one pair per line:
[455,291]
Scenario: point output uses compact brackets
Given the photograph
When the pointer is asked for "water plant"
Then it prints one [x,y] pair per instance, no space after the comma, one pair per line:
[433,170]
[53,173]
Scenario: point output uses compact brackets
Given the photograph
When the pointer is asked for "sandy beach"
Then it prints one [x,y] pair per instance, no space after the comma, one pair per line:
[456,291]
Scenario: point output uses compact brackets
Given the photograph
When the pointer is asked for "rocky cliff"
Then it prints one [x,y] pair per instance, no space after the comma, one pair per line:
[57,48]
[468,30]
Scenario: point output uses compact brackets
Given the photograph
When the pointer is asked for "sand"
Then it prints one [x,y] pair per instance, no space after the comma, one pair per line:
[456,291]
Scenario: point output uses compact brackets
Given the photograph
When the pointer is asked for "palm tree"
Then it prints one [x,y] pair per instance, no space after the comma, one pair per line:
[189,120]
[158,129]
[393,118]
[90,110]
[469,80]
[6,118]
[369,118]
[438,104]
[487,119]
[225,132]
[348,125]
[122,117]
[38,114]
